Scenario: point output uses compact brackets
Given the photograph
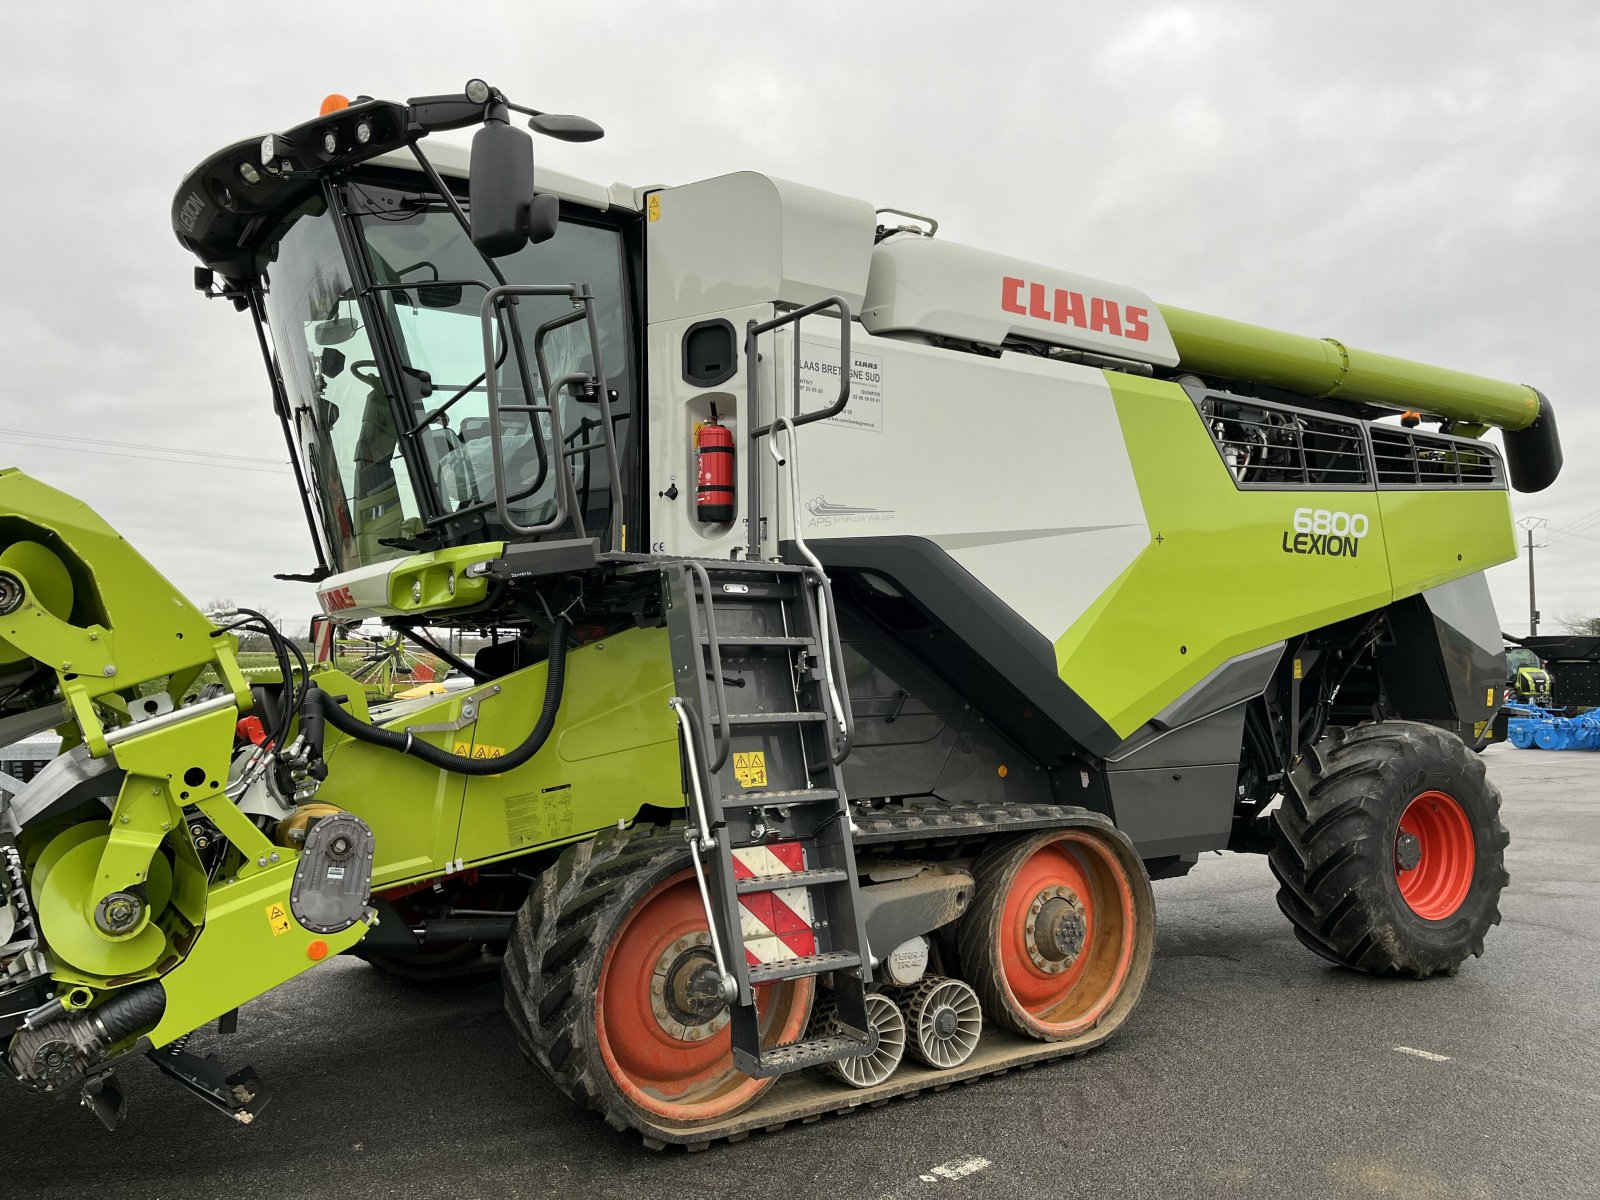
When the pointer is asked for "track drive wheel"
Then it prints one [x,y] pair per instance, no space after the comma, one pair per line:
[1061,931]
[1391,854]
[610,985]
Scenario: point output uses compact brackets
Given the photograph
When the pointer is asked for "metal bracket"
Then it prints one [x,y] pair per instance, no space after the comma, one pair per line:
[469,713]
[239,1095]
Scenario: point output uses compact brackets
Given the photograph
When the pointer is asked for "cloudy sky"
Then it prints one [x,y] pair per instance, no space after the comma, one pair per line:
[1414,178]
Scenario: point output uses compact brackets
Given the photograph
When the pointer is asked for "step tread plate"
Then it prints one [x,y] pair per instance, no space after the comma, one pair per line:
[780,798]
[777,883]
[799,968]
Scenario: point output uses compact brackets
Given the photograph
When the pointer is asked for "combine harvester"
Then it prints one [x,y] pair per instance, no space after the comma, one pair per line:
[874,617]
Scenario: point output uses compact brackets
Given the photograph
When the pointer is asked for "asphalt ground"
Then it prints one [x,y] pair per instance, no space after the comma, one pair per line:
[1251,1068]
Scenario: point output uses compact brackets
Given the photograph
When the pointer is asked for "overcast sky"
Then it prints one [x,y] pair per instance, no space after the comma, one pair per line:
[1419,179]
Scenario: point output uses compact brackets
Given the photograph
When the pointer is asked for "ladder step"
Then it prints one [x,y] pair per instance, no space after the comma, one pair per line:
[812,1052]
[799,968]
[778,799]
[757,642]
[774,718]
[777,883]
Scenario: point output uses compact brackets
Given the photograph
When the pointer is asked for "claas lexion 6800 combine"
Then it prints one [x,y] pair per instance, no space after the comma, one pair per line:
[870,619]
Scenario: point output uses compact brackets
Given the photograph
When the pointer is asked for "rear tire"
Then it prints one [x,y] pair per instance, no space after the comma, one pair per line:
[1391,855]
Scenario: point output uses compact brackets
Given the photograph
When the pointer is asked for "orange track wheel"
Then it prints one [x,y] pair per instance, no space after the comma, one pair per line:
[662,1030]
[1060,934]
[1435,856]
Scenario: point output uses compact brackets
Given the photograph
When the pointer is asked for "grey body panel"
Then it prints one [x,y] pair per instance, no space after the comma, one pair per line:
[916,735]
[1445,661]
[976,642]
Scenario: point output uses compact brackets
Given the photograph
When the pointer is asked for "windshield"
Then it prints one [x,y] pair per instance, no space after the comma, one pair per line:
[431,283]
[338,406]
[427,285]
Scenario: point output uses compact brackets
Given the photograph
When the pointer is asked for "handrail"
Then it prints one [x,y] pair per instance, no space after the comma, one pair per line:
[698,835]
[752,359]
[582,384]
[829,647]
[724,732]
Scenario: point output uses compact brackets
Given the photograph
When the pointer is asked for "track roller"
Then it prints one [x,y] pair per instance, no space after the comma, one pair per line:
[867,1070]
[944,1019]
[1061,932]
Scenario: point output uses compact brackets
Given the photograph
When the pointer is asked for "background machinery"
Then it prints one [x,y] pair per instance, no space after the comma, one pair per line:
[871,618]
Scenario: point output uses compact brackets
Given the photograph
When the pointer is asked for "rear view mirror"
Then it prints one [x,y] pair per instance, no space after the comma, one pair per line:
[332,363]
[506,215]
[332,333]
[439,295]
[566,127]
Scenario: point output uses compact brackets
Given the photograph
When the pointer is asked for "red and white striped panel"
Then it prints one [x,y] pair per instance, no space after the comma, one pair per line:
[775,925]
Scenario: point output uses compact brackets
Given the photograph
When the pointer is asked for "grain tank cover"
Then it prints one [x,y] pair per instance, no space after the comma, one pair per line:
[923,285]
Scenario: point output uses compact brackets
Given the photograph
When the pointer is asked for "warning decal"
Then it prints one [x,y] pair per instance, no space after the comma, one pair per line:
[819,385]
[774,925]
[278,918]
[750,768]
[468,750]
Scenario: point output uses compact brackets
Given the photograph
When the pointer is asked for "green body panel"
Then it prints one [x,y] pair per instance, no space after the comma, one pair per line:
[1322,367]
[126,624]
[241,953]
[1437,536]
[1216,580]
[614,748]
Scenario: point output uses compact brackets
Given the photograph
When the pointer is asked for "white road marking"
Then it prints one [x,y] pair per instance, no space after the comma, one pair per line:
[1427,1054]
[956,1168]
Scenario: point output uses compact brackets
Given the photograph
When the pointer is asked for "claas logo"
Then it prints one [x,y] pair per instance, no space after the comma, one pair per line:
[1066,307]
[336,599]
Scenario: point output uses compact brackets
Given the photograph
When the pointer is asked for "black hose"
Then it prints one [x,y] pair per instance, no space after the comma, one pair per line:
[137,1008]
[320,706]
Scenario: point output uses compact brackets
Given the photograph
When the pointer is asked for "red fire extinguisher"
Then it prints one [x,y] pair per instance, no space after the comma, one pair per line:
[713,464]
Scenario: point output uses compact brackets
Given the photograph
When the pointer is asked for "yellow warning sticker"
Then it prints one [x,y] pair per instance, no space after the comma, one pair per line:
[750,768]
[278,918]
[1490,700]
[654,206]
[1297,671]
[468,750]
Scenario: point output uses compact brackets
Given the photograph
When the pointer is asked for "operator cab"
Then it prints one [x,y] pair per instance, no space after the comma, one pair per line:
[431,395]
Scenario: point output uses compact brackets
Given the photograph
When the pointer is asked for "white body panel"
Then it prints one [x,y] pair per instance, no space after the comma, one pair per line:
[1015,467]
[923,285]
[746,239]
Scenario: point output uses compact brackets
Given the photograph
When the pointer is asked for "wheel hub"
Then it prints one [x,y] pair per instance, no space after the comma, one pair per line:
[686,990]
[1057,929]
[945,1022]
[1407,851]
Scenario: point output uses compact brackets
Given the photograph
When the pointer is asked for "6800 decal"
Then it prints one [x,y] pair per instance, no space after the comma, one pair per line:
[1326,532]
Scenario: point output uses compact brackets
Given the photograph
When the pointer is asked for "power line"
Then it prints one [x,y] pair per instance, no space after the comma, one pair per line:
[70,437]
[187,462]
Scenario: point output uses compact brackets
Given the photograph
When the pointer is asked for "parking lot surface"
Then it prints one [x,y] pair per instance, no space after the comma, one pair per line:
[1251,1068]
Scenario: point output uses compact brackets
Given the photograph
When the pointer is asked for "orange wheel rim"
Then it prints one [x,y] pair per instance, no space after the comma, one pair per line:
[1435,856]
[1061,991]
[679,1070]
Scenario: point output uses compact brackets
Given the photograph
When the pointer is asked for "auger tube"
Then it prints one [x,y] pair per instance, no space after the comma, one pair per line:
[1327,369]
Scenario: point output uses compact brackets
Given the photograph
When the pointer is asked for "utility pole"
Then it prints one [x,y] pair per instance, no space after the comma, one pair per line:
[1530,524]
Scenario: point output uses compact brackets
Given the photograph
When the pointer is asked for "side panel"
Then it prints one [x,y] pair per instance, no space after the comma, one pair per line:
[1220,577]
[1435,536]
[1013,466]
[614,750]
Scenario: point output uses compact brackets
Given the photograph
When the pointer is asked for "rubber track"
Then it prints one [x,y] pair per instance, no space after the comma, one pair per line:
[552,963]
[1334,859]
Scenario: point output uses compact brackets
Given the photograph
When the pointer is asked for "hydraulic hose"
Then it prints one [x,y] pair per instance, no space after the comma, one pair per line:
[319,707]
